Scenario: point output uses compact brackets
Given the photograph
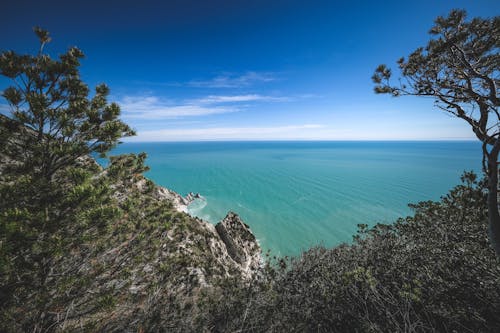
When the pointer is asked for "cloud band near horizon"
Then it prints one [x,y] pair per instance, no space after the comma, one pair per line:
[289,132]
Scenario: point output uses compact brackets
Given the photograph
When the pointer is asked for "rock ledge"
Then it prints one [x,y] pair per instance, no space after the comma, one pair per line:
[241,244]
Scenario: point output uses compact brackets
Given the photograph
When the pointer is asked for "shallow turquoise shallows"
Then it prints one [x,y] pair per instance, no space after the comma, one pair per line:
[298,194]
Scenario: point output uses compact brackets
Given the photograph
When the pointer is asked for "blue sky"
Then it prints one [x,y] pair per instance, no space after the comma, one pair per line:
[247,70]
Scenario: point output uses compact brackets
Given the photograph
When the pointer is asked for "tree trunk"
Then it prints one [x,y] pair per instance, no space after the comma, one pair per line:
[493,213]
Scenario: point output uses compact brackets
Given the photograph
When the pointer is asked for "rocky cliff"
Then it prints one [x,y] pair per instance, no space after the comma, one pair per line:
[233,243]
[240,243]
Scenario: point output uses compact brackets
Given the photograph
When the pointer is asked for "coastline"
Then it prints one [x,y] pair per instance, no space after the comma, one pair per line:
[179,202]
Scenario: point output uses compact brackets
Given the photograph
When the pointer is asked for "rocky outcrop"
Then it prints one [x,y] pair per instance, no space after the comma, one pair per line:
[180,203]
[240,242]
[190,197]
[232,244]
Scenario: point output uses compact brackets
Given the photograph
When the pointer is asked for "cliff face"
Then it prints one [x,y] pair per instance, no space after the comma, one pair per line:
[240,243]
[232,241]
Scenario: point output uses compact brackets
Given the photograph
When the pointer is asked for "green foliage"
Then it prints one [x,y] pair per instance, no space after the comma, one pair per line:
[54,200]
[457,66]
[433,271]
[49,98]
[37,232]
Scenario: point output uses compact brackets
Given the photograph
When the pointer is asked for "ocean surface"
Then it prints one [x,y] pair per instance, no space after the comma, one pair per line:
[298,194]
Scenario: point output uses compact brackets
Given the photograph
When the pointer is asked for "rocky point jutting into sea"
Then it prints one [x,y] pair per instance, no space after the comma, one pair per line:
[233,243]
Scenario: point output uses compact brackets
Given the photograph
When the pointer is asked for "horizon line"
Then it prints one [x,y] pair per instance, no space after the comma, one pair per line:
[304,140]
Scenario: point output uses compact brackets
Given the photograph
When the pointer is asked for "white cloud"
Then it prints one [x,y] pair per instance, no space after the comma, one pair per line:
[216,99]
[289,132]
[229,80]
[154,108]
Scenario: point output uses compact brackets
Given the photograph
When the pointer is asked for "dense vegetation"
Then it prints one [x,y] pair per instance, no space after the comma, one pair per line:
[52,202]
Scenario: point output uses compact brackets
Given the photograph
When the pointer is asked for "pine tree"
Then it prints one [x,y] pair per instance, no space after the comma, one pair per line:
[459,68]
[53,197]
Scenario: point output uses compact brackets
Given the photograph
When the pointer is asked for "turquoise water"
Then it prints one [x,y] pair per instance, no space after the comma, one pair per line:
[298,194]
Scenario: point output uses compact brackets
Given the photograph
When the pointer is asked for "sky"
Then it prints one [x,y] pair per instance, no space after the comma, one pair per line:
[190,70]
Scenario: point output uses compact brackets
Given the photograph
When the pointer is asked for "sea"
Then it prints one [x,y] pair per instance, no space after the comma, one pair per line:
[295,195]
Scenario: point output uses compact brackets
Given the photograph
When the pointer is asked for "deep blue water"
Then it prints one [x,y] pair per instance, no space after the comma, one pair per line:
[298,194]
